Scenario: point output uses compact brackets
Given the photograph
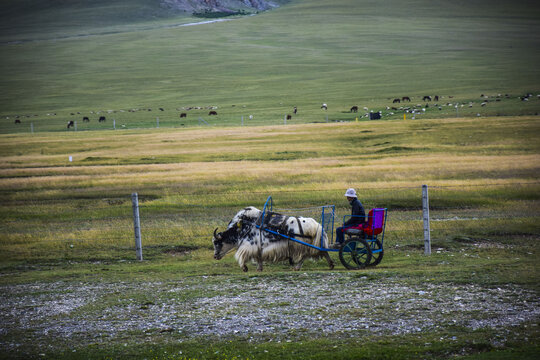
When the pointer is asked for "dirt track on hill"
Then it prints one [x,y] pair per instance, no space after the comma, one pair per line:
[273,308]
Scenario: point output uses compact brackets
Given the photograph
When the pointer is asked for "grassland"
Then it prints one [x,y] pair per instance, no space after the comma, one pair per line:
[70,285]
[70,223]
[303,54]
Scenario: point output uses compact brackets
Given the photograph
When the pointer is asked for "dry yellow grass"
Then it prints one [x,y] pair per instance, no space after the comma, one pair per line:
[191,180]
[319,173]
[324,154]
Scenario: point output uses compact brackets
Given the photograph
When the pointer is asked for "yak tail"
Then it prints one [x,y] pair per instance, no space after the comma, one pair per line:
[321,239]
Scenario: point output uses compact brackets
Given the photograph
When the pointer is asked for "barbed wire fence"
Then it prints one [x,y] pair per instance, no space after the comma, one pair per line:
[450,207]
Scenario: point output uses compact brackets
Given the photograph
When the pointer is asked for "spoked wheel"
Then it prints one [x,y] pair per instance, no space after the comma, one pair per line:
[355,254]
[377,252]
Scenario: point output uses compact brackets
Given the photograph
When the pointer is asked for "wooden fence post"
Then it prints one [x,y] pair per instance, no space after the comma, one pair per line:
[425,215]
[137,226]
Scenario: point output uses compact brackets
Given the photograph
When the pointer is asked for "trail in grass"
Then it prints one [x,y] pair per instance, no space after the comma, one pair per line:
[127,30]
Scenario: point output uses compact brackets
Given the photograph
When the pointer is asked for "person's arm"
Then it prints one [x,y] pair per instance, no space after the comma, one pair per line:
[361,214]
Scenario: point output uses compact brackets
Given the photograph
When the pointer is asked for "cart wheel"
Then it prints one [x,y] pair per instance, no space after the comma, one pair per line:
[376,256]
[355,254]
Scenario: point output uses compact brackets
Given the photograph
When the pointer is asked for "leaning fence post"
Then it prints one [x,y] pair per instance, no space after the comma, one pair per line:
[137,226]
[425,215]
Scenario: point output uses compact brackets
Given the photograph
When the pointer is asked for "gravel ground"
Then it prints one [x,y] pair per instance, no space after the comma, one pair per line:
[280,308]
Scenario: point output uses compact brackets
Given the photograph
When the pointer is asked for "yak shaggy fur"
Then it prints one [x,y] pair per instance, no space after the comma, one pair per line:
[258,245]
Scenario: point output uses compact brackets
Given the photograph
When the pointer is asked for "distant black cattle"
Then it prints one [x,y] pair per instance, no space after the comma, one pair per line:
[396,100]
[17,121]
[406,98]
[161,109]
[295,110]
[426,98]
[71,123]
[183,115]
[86,119]
[212,112]
[289,117]
[354,108]
[436,97]
[102,118]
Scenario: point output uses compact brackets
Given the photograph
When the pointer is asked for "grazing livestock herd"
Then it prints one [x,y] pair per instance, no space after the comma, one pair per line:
[423,103]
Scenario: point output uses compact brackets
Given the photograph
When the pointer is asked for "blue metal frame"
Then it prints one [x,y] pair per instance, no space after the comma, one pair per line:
[269,199]
[332,207]
[269,204]
[328,223]
[372,238]
[296,240]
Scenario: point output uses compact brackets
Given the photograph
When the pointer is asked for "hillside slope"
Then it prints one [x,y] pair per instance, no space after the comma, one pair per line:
[343,53]
[225,6]
[45,19]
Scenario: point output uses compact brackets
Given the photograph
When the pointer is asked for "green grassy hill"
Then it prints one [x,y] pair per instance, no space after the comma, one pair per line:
[29,20]
[123,55]
[45,19]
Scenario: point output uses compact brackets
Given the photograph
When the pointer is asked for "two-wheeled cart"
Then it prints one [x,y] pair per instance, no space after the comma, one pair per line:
[363,244]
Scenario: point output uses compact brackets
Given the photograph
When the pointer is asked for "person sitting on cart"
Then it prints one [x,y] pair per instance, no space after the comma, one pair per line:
[358,217]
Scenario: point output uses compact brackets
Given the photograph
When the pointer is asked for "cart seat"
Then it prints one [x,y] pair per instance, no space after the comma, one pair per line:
[352,231]
[375,223]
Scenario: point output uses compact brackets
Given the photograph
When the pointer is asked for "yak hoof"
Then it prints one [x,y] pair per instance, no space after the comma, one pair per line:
[332,266]
[244,268]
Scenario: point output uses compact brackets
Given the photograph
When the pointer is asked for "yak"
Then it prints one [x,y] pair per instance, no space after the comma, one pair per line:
[248,234]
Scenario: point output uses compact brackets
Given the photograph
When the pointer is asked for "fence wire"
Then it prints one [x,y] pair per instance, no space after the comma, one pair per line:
[449,205]
[191,218]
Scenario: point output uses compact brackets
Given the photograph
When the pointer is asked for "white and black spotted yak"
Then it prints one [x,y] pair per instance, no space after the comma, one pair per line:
[252,243]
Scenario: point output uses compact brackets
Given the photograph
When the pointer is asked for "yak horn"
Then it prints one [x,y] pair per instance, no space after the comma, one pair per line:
[217,236]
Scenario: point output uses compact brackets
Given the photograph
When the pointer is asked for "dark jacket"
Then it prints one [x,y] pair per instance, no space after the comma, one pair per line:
[357,212]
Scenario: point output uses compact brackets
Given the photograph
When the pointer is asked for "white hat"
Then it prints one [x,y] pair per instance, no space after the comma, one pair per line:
[350,193]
